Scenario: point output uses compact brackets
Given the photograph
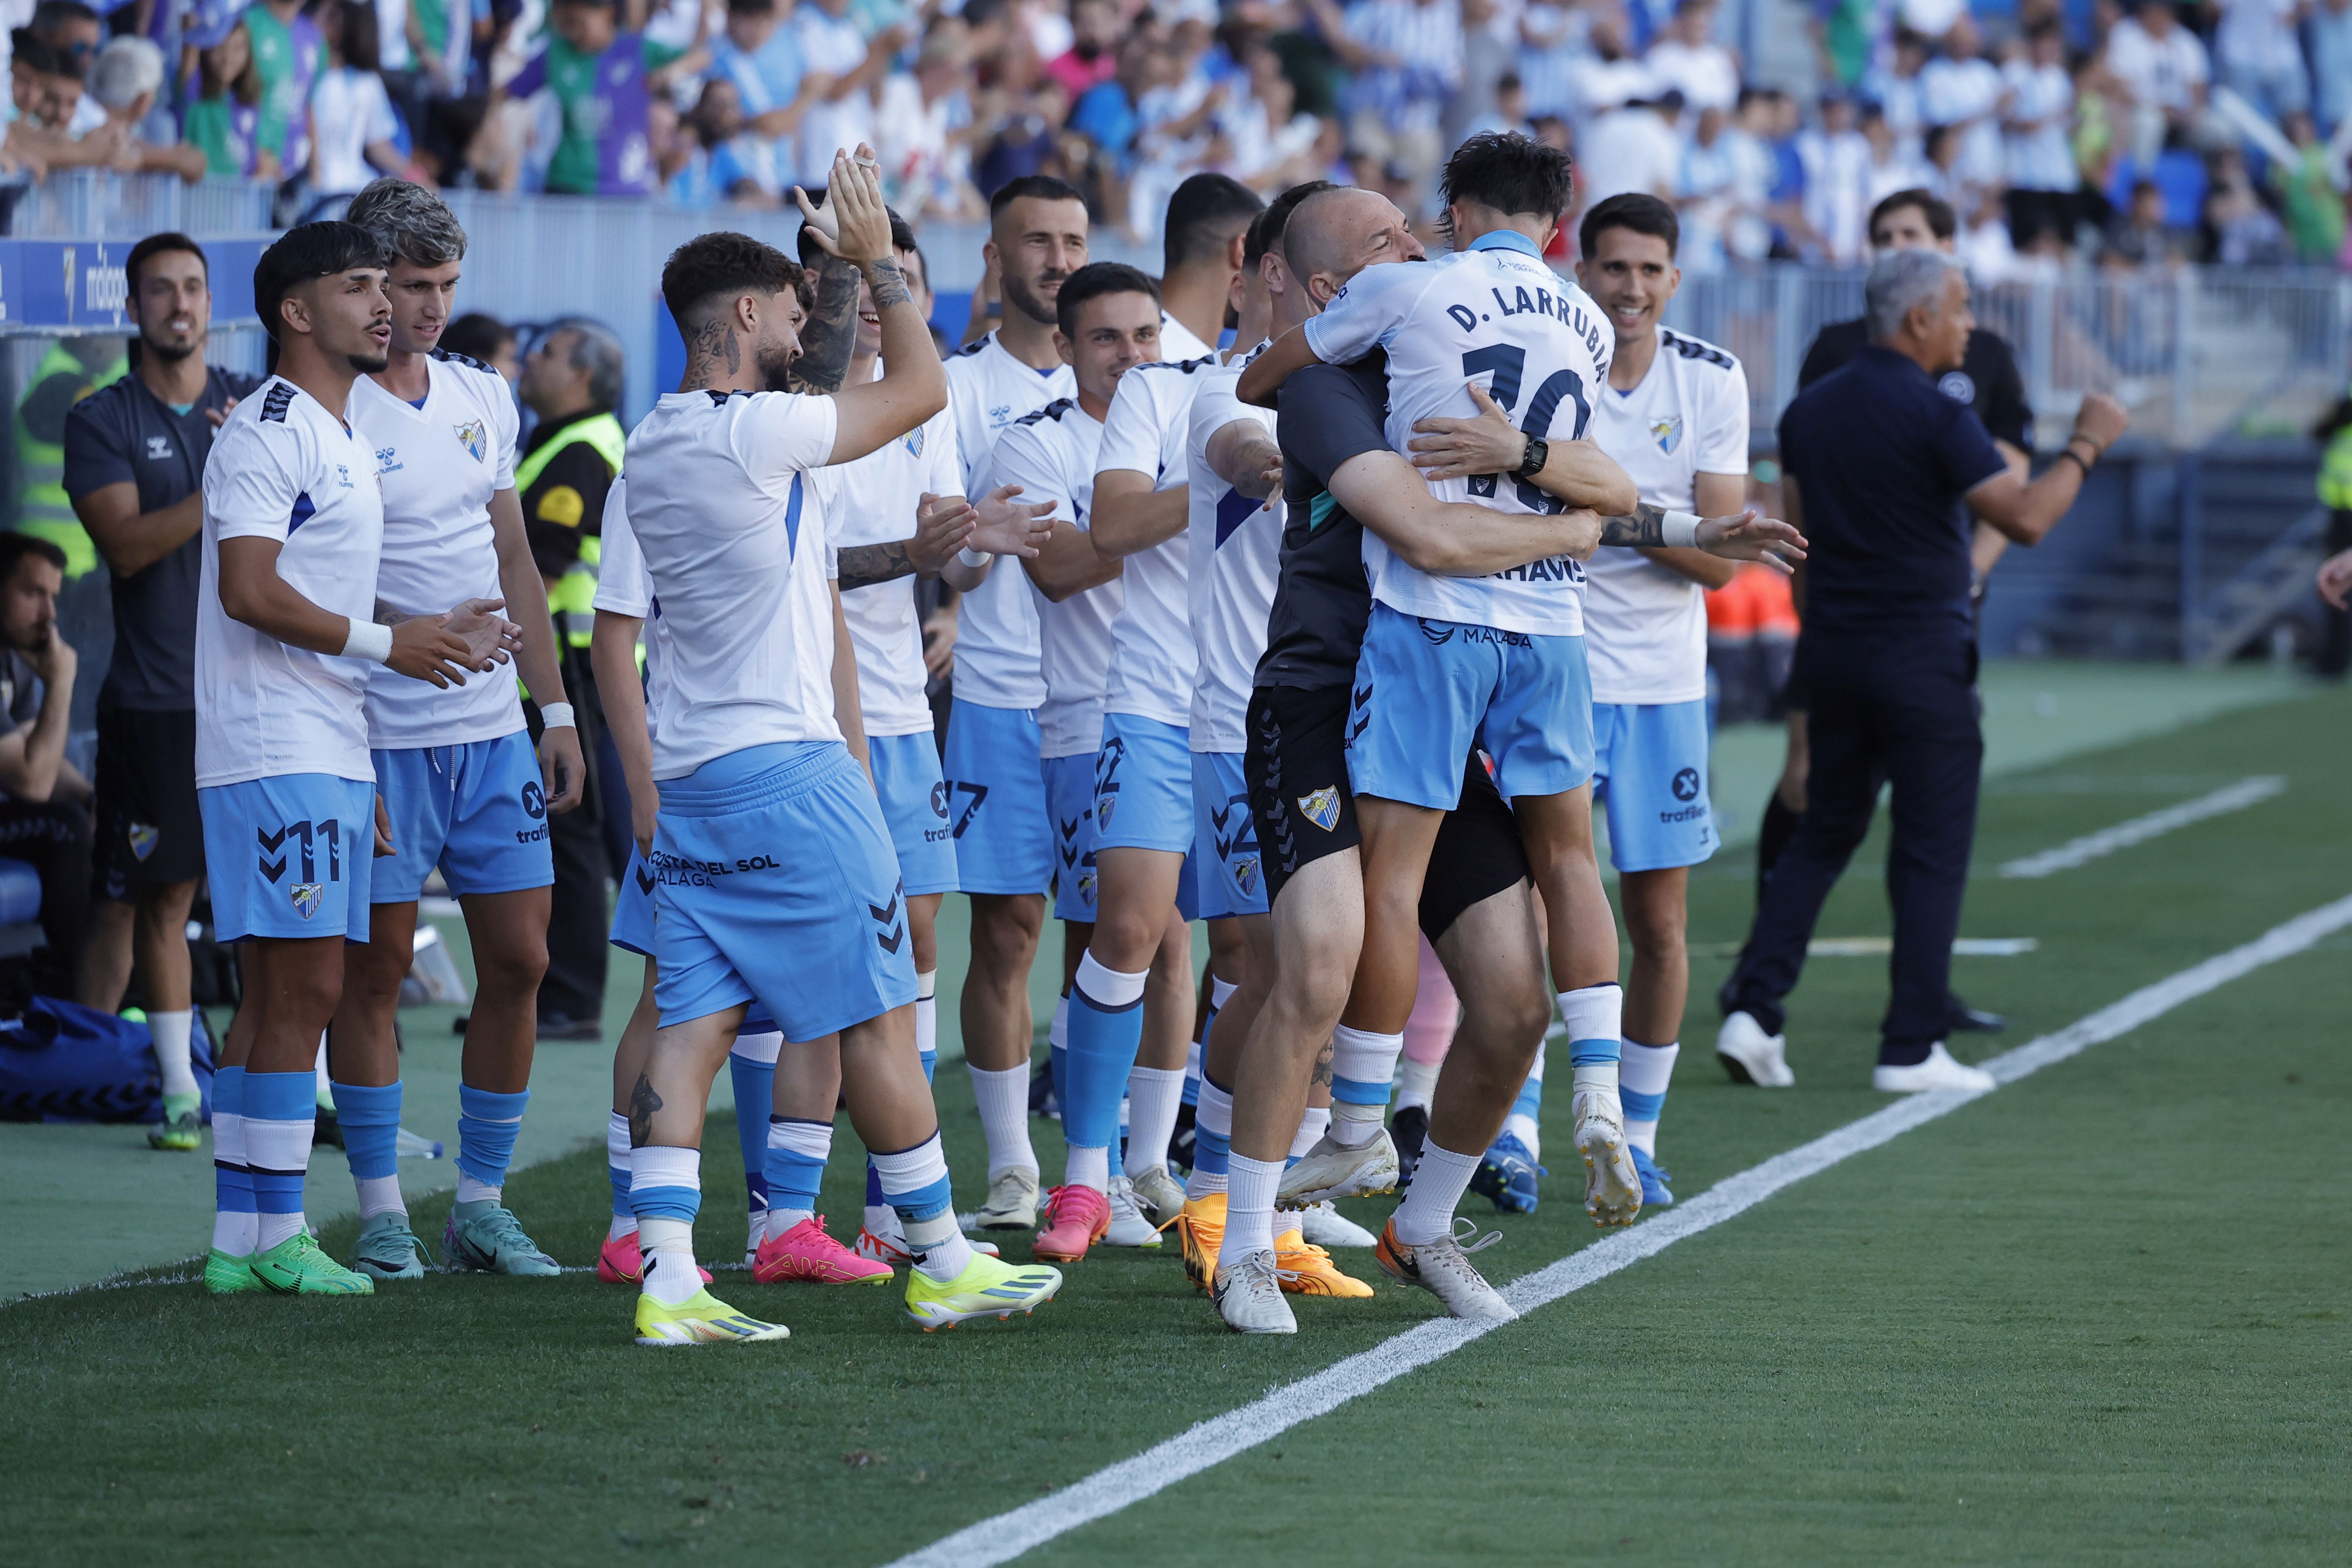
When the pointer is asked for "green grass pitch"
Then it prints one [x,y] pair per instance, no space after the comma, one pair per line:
[2102,1316]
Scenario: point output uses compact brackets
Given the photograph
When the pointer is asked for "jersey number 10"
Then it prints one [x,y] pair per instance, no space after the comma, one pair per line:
[1508,363]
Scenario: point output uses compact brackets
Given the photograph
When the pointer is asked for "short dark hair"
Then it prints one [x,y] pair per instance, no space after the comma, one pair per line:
[313,250]
[157,244]
[15,547]
[1266,234]
[1203,215]
[42,59]
[726,262]
[1044,187]
[476,334]
[49,15]
[1511,172]
[1094,281]
[902,237]
[1941,223]
[1637,210]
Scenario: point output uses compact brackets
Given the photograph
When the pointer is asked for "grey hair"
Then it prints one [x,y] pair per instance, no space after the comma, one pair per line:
[409,222]
[126,67]
[595,350]
[1899,282]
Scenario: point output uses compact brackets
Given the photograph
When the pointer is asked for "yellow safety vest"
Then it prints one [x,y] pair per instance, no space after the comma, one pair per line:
[43,509]
[603,433]
[2335,472]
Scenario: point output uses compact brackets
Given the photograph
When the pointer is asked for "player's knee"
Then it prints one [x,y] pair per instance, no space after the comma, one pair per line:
[514,965]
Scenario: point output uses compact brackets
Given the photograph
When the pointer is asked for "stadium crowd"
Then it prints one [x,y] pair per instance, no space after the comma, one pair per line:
[2125,134]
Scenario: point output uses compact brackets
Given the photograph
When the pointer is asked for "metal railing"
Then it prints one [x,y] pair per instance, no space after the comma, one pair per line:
[2194,354]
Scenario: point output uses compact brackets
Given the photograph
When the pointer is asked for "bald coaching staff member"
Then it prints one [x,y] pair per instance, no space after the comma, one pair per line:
[1883,470]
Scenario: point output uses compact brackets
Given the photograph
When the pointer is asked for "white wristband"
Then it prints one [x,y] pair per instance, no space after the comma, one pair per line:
[1681,529]
[558,716]
[975,558]
[371,640]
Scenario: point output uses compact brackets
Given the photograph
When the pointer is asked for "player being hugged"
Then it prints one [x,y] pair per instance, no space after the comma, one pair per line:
[285,638]
[1499,657]
[461,783]
[776,880]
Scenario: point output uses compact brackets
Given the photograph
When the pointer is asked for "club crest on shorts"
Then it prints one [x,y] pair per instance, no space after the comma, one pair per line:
[1322,807]
[1103,809]
[1087,887]
[1667,432]
[306,896]
[475,440]
[1246,873]
[143,839]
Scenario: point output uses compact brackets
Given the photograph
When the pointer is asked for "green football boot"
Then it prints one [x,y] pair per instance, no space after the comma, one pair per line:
[225,1275]
[388,1249]
[179,1133]
[296,1267]
[488,1239]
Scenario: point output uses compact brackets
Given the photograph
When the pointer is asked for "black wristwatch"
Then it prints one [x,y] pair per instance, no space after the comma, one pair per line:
[1539,454]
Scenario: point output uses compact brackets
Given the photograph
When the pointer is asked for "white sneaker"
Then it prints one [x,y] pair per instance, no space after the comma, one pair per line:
[1751,1056]
[1612,1187]
[1012,1204]
[1159,1196]
[1324,1225]
[1333,1170]
[1249,1296]
[1940,1071]
[1128,1226]
[1442,1269]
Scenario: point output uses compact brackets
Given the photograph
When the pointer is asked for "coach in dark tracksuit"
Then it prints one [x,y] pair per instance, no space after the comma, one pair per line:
[1883,470]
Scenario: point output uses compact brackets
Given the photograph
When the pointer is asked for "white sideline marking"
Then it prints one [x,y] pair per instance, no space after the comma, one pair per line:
[1221,1437]
[2140,829]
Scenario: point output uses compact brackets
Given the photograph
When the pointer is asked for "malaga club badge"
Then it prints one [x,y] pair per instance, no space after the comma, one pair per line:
[1667,433]
[307,896]
[475,440]
[1322,807]
[143,839]
[1246,873]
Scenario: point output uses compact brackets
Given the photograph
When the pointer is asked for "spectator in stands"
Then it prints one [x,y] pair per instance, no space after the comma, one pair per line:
[2042,174]
[44,803]
[1687,58]
[353,132]
[922,133]
[1962,91]
[2313,206]
[1837,159]
[1092,58]
[712,160]
[1895,89]
[2140,238]
[2162,71]
[603,79]
[288,55]
[2331,62]
[759,56]
[221,117]
[834,46]
[1631,148]
[1407,59]
[43,91]
[2259,56]
[134,464]
[125,81]
[75,32]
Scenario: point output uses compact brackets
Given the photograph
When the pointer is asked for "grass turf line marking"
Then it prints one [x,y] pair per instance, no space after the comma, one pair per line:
[1222,1437]
[2140,829]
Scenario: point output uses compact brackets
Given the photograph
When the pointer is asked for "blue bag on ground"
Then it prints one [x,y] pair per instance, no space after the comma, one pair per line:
[65,1062]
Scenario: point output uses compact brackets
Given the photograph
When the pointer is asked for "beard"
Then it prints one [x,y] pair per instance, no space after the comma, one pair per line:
[371,360]
[1025,300]
[775,365]
[170,352]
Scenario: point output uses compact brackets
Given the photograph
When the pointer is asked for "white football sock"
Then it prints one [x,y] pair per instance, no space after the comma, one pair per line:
[1643,1074]
[1438,1183]
[1058,1032]
[1419,1082]
[779,1221]
[1249,1208]
[927,1012]
[671,1276]
[379,1194]
[1003,1099]
[234,1230]
[1083,1167]
[1311,1127]
[1153,1097]
[1363,1067]
[170,1031]
[938,1246]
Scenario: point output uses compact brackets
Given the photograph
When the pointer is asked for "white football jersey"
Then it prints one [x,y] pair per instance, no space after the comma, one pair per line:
[738,552]
[873,501]
[440,465]
[1153,661]
[284,467]
[1237,548]
[1644,626]
[1050,454]
[996,623]
[624,589]
[1496,315]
